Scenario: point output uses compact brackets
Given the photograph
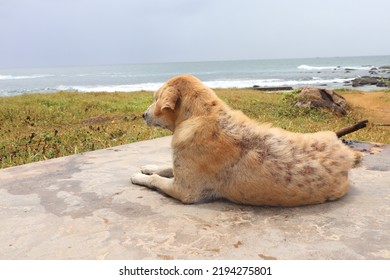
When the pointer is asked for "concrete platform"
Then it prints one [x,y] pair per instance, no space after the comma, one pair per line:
[84,207]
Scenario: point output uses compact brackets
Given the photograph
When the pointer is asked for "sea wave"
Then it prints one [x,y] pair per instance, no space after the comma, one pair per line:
[319,82]
[156,86]
[241,83]
[315,81]
[111,88]
[310,67]
[12,77]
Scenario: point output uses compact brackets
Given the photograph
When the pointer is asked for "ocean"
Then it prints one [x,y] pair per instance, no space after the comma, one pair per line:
[337,72]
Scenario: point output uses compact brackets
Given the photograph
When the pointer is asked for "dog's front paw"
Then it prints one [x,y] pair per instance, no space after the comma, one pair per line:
[150,169]
[142,180]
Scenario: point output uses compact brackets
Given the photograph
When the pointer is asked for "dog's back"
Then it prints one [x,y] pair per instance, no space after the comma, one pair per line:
[263,165]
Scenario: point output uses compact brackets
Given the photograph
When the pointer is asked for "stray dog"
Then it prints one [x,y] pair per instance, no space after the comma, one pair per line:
[221,153]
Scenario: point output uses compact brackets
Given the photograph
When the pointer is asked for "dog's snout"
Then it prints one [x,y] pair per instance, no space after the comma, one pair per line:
[144,116]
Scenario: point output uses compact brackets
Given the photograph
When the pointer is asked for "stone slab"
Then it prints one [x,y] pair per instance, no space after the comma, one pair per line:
[85,207]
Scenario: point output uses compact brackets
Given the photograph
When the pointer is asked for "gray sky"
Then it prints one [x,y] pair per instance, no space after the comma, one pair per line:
[41,33]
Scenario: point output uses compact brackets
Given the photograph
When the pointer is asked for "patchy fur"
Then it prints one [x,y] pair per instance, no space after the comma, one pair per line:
[221,153]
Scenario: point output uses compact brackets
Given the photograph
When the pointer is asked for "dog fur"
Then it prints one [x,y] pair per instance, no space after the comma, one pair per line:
[220,153]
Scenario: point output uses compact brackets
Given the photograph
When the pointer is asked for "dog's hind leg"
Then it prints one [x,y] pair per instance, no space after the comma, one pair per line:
[164,171]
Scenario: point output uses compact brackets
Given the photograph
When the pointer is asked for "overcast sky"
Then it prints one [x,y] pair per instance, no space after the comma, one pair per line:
[41,33]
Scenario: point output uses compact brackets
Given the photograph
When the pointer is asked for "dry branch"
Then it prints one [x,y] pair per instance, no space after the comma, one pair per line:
[353,128]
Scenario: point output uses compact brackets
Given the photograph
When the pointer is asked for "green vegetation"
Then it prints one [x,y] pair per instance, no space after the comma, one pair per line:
[278,109]
[43,126]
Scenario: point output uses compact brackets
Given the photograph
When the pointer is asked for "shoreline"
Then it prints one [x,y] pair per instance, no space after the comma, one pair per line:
[332,73]
[116,89]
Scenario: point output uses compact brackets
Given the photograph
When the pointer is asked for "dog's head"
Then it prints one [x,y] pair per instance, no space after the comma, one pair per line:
[162,112]
[177,100]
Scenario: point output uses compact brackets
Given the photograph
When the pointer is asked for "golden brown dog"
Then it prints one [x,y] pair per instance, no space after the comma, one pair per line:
[221,153]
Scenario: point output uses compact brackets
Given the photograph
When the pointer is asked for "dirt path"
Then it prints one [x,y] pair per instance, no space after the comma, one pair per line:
[375,103]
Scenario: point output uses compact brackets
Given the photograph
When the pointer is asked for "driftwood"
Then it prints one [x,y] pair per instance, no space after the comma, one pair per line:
[353,128]
[271,88]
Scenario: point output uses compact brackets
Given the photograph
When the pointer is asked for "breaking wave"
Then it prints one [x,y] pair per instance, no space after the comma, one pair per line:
[12,77]
[211,84]
[309,67]
[112,88]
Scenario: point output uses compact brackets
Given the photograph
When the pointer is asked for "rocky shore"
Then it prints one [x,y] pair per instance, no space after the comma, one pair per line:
[337,77]
[379,77]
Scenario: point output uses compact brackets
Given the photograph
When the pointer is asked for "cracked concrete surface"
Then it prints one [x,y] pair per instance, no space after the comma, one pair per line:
[85,207]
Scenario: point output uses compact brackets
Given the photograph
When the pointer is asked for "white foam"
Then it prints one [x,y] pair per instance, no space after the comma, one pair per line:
[241,83]
[316,82]
[112,88]
[274,83]
[309,67]
[211,84]
[369,67]
[11,77]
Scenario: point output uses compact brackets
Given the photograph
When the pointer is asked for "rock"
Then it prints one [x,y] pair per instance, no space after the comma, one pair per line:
[383,83]
[385,67]
[365,80]
[322,98]
[375,81]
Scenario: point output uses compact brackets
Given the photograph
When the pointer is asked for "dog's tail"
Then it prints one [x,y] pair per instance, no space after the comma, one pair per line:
[357,159]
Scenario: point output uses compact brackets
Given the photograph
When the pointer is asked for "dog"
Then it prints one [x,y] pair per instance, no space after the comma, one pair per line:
[219,153]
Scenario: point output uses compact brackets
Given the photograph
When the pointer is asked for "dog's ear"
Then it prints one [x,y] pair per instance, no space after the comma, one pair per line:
[169,98]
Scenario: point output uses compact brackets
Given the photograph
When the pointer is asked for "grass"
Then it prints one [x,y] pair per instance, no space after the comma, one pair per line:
[278,109]
[42,126]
